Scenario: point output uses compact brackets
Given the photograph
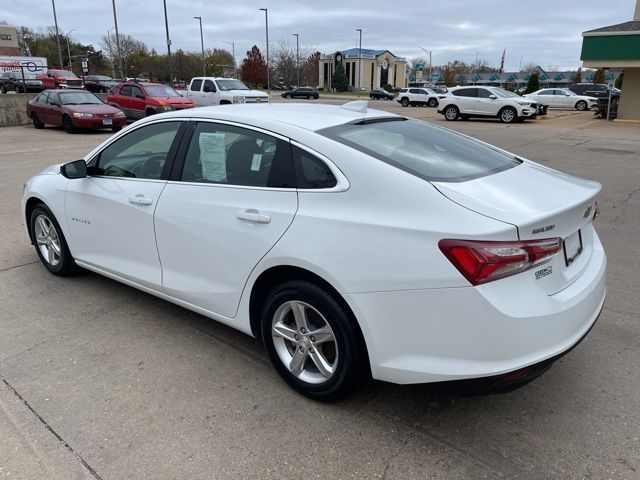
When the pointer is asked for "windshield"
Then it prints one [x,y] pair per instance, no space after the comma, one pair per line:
[501,92]
[18,75]
[231,85]
[79,98]
[63,74]
[429,152]
[160,91]
[101,78]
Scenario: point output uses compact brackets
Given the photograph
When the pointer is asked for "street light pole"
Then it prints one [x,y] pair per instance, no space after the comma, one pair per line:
[55,21]
[297,58]
[166,26]
[204,65]
[233,53]
[68,47]
[430,69]
[359,61]
[266,25]
[115,21]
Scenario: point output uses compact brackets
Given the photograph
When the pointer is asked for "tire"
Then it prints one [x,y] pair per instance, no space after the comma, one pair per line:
[508,115]
[49,241]
[67,124]
[150,112]
[432,102]
[404,102]
[285,338]
[116,128]
[451,113]
[581,106]
[4,90]
[310,97]
[36,121]
[413,104]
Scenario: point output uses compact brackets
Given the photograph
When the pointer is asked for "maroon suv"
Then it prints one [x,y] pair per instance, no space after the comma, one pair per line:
[139,100]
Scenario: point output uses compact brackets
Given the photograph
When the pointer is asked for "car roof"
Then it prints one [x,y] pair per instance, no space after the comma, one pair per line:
[270,116]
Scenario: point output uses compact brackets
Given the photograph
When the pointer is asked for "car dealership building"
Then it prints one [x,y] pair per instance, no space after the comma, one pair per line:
[367,68]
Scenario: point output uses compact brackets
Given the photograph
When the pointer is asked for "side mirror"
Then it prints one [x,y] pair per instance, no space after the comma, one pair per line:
[71,170]
[492,97]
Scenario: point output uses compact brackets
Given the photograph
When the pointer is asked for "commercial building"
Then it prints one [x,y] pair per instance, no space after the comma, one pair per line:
[9,41]
[618,46]
[366,69]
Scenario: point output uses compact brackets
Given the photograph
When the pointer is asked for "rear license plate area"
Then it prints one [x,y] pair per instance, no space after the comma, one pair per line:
[572,246]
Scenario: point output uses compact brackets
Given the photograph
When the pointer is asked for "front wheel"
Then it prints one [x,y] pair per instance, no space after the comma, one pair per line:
[508,115]
[432,102]
[451,113]
[581,105]
[311,341]
[50,243]
[67,124]
[36,121]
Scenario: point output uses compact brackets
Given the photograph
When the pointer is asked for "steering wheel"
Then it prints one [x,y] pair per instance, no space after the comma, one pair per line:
[152,167]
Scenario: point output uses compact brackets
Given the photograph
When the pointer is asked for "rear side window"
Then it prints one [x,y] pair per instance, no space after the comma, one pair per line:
[311,171]
[423,150]
[195,85]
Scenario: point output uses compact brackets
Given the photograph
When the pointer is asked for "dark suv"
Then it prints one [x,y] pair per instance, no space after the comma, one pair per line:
[301,92]
[598,90]
[12,82]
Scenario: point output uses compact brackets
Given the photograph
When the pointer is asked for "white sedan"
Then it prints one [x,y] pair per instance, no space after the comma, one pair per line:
[353,243]
[562,98]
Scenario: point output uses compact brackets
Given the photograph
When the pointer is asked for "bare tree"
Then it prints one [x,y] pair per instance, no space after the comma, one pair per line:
[284,61]
[128,47]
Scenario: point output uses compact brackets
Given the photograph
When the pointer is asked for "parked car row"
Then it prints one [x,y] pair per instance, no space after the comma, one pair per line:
[16,82]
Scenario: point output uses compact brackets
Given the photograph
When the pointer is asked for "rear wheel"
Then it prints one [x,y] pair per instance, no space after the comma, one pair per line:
[432,102]
[508,115]
[150,112]
[581,105]
[67,124]
[404,102]
[4,89]
[311,340]
[36,121]
[50,243]
[451,113]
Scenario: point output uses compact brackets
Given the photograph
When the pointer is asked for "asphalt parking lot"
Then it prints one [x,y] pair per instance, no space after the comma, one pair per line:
[101,381]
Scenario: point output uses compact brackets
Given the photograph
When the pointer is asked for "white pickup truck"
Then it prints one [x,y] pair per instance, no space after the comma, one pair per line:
[220,91]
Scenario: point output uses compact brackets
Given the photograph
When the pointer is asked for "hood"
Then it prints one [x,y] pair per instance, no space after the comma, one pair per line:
[175,100]
[96,109]
[539,201]
[51,169]
[247,93]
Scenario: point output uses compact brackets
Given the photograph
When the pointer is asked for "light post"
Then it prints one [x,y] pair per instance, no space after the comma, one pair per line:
[166,26]
[204,65]
[266,26]
[55,21]
[233,52]
[68,47]
[359,61]
[115,21]
[430,70]
[297,58]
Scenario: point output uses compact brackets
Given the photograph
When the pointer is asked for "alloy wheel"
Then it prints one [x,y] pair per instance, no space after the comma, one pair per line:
[48,240]
[508,115]
[304,342]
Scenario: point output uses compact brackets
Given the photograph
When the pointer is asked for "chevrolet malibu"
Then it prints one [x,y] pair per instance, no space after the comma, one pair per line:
[354,243]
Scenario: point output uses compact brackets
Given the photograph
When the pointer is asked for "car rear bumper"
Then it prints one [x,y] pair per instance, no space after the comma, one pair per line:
[436,335]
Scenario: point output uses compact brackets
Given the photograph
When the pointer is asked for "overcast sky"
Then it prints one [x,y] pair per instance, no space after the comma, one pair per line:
[545,32]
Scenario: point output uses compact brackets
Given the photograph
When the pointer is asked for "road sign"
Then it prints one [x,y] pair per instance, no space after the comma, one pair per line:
[419,67]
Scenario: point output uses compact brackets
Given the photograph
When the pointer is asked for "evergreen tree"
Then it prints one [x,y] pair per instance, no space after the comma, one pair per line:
[599,76]
[619,81]
[578,76]
[534,83]
[339,79]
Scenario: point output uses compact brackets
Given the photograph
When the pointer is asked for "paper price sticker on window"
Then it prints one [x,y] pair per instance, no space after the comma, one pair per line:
[255,162]
[213,156]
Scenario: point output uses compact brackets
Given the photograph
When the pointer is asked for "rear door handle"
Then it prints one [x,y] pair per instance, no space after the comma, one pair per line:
[253,215]
[140,199]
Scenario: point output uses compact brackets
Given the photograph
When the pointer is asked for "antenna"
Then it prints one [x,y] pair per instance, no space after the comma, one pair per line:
[356,106]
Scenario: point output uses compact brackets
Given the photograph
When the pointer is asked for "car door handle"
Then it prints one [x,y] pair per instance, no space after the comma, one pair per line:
[140,199]
[252,215]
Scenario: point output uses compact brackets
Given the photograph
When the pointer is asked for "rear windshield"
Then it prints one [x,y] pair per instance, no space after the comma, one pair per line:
[426,151]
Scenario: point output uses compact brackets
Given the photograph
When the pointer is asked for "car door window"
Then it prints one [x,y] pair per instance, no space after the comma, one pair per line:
[209,86]
[195,85]
[414,90]
[125,90]
[53,99]
[311,171]
[139,154]
[465,92]
[225,154]
[42,98]
[483,93]
[135,91]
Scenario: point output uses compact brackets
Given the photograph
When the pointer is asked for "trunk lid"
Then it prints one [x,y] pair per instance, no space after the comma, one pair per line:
[540,203]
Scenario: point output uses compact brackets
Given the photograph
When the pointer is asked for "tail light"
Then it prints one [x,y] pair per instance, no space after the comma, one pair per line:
[483,261]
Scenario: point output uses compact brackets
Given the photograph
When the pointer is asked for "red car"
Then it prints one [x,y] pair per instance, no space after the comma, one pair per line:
[139,100]
[73,109]
[60,79]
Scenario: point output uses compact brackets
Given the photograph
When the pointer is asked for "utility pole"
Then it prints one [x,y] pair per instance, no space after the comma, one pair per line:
[204,65]
[359,61]
[297,58]
[233,52]
[166,26]
[55,21]
[430,69]
[115,21]
[266,23]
